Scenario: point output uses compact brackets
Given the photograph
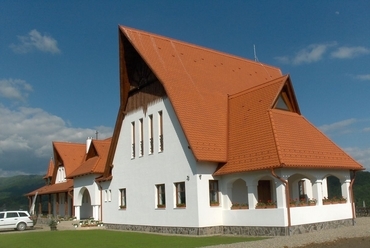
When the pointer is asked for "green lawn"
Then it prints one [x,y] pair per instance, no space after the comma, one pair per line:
[105,238]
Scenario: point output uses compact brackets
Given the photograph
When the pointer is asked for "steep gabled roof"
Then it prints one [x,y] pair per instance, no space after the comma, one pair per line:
[262,137]
[70,155]
[95,160]
[197,81]
[50,170]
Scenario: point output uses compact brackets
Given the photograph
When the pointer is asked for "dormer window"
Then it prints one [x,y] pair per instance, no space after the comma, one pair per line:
[284,101]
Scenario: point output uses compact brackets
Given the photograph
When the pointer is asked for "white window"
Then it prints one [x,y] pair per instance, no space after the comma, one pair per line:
[122,198]
[133,139]
[160,131]
[150,134]
[106,195]
[161,196]
[109,195]
[141,138]
[180,194]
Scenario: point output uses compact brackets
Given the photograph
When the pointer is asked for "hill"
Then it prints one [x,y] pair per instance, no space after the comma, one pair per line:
[12,190]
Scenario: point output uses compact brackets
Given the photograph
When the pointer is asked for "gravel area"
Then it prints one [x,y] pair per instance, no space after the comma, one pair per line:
[349,236]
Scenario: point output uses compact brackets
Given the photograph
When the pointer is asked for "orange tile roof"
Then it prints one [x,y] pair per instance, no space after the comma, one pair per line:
[70,155]
[53,188]
[197,81]
[95,160]
[300,144]
[240,131]
[262,138]
[50,170]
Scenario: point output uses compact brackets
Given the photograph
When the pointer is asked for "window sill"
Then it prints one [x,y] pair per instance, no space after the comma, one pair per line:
[122,208]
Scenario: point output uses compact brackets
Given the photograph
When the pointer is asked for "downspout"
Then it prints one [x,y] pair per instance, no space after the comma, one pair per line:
[287,196]
[352,202]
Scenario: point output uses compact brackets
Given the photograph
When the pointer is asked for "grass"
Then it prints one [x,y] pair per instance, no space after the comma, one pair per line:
[105,238]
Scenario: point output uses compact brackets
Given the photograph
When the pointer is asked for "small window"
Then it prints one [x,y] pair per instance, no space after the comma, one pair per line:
[141,138]
[2,215]
[180,194]
[12,215]
[213,193]
[122,193]
[133,139]
[151,134]
[21,214]
[160,131]
[161,196]
[106,195]
[110,195]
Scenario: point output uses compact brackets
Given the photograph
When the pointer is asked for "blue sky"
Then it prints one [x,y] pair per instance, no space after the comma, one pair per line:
[59,64]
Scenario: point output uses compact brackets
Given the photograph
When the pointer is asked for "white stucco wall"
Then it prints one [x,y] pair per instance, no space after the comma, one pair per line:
[140,175]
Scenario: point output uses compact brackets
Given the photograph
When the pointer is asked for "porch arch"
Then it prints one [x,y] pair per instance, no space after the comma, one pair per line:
[84,200]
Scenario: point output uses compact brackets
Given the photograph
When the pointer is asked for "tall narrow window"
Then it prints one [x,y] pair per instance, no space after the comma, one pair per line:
[180,194]
[105,195]
[150,134]
[161,196]
[122,200]
[133,139]
[160,131]
[141,137]
[213,193]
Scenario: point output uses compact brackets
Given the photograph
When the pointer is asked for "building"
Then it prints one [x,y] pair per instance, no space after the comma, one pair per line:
[200,133]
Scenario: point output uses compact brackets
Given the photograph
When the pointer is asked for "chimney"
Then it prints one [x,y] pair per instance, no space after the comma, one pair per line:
[88,143]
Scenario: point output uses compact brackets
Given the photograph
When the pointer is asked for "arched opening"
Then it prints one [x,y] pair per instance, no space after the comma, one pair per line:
[300,188]
[334,187]
[239,192]
[86,208]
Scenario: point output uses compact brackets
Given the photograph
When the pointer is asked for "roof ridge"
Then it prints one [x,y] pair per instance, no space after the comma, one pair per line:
[260,86]
[274,135]
[124,28]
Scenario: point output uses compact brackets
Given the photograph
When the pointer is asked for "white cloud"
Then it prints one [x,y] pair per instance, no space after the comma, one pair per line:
[309,54]
[364,77]
[340,125]
[26,138]
[14,89]
[360,155]
[34,40]
[349,52]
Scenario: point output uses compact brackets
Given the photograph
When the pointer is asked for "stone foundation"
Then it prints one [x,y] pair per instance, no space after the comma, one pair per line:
[234,230]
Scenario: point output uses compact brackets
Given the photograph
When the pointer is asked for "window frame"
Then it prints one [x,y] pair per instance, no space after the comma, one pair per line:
[161,195]
[214,193]
[180,194]
[122,198]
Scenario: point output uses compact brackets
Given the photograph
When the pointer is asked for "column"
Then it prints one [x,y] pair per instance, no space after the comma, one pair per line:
[77,212]
[345,190]
[280,194]
[317,191]
[252,194]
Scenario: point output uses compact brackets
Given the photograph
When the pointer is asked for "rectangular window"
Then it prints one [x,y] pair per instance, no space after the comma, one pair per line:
[122,193]
[141,137]
[105,195]
[213,193]
[180,194]
[133,139]
[110,195]
[301,190]
[150,134]
[160,131]
[161,196]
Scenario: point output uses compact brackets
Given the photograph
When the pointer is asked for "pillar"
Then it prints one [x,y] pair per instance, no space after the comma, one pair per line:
[317,191]
[252,194]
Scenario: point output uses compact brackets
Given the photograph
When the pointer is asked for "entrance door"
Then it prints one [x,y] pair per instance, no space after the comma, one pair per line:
[264,190]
